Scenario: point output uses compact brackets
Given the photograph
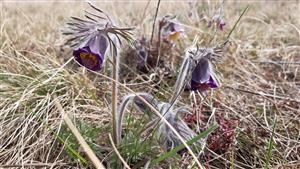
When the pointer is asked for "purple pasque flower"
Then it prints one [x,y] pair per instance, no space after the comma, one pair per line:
[90,37]
[219,21]
[203,76]
[221,24]
[92,54]
[171,29]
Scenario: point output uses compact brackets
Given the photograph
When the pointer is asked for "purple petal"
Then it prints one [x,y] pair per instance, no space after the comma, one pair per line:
[211,83]
[175,27]
[171,30]
[142,57]
[202,72]
[202,77]
[221,24]
[98,44]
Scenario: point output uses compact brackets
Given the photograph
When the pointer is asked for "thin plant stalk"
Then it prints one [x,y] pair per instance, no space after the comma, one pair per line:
[158,44]
[240,17]
[118,153]
[153,27]
[115,64]
[270,147]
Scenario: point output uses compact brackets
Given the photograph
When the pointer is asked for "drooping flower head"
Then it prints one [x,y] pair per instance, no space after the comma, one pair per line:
[219,21]
[196,70]
[170,28]
[221,24]
[203,76]
[92,54]
[92,37]
[218,18]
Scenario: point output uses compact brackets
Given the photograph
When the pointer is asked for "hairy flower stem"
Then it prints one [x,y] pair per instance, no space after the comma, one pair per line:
[115,64]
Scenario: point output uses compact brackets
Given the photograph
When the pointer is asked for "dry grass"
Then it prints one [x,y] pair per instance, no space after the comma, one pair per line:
[260,83]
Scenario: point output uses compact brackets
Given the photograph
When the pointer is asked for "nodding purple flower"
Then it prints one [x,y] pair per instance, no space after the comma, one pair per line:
[171,29]
[219,21]
[92,54]
[221,24]
[203,76]
[90,37]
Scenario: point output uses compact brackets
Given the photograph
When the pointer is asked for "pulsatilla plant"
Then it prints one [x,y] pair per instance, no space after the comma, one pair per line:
[170,28]
[166,136]
[91,38]
[218,18]
[197,70]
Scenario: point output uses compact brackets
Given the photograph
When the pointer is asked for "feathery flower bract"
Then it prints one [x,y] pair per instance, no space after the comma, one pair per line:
[166,135]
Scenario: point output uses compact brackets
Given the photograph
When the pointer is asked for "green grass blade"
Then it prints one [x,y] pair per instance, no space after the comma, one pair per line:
[68,147]
[180,147]
[71,150]
[233,28]
[270,148]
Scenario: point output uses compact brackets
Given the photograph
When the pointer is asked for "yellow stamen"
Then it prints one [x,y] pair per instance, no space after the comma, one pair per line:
[89,56]
[175,36]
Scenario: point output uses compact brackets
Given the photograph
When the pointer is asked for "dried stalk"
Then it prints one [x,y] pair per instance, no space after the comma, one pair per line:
[89,152]
[153,26]
[118,153]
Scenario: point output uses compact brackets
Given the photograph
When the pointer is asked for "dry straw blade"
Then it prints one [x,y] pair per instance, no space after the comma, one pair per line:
[89,152]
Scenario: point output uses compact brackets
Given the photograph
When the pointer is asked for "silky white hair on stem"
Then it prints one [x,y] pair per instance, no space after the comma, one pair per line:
[166,135]
[193,55]
[140,105]
[168,138]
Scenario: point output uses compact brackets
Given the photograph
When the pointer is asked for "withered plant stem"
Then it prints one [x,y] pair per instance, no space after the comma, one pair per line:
[118,153]
[153,27]
[158,44]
